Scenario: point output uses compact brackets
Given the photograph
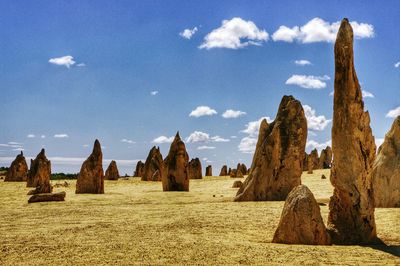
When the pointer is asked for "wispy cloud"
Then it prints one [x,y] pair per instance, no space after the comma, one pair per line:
[153,93]
[397,64]
[202,111]
[30,136]
[394,112]
[367,94]
[302,62]
[61,136]
[234,34]
[188,33]
[206,147]
[67,61]
[128,141]
[308,82]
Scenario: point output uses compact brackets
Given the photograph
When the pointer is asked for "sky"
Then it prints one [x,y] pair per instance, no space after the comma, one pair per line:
[133,73]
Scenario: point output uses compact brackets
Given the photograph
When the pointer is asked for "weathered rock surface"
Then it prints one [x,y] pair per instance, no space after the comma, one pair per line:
[39,174]
[313,157]
[305,162]
[236,173]
[195,169]
[351,217]
[18,170]
[91,175]
[112,171]
[325,160]
[301,221]
[310,165]
[177,167]
[60,196]
[139,169]
[242,167]
[386,169]
[278,159]
[224,171]
[209,170]
[154,162]
[237,184]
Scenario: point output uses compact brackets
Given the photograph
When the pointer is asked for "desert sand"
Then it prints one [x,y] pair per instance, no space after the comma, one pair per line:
[135,222]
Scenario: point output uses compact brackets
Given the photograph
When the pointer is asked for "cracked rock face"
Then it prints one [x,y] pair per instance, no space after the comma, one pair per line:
[278,159]
[301,221]
[91,176]
[351,217]
[386,169]
[176,176]
[39,174]
[18,170]
[195,169]
[154,166]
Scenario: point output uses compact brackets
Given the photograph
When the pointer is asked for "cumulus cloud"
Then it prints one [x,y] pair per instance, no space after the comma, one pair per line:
[203,111]
[318,30]
[206,147]
[153,93]
[198,136]
[188,33]
[253,126]
[393,113]
[67,61]
[31,136]
[308,82]
[233,113]
[128,141]
[396,65]
[315,122]
[367,94]
[247,145]
[312,144]
[163,139]
[61,136]
[234,34]
[302,62]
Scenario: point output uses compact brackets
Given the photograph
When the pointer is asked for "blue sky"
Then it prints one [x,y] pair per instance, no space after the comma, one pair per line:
[127,73]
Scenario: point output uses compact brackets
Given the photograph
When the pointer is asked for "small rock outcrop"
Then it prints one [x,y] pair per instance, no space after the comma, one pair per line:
[60,196]
[176,176]
[224,171]
[386,169]
[351,218]
[313,157]
[237,184]
[18,170]
[139,169]
[325,160]
[112,171]
[195,169]
[154,163]
[242,168]
[301,221]
[209,170]
[91,176]
[278,159]
[39,174]
[236,173]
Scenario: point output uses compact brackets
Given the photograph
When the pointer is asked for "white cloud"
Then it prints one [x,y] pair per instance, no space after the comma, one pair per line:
[312,144]
[31,136]
[396,65]
[393,113]
[367,94]
[302,62]
[253,126]
[163,139]
[198,136]
[85,145]
[81,65]
[233,137]
[12,144]
[153,93]
[331,93]
[308,82]
[318,30]
[234,34]
[247,145]
[67,61]
[202,111]
[188,33]
[219,139]
[314,122]
[128,141]
[206,147]
[60,136]
[205,159]
[233,113]
[42,136]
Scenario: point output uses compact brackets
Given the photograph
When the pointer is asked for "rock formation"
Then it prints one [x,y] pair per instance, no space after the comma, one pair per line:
[242,167]
[18,170]
[323,177]
[310,164]
[236,173]
[60,196]
[351,217]
[305,162]
[154,163]
[229,171]
[325,160]
[237,184]
[314,159]
[91,176]
[195,169]
[209,170]
[386,169]
[139,169]
[277,163]
[224,171]
[301,221]
[112,171]
[39,174]
[176,176]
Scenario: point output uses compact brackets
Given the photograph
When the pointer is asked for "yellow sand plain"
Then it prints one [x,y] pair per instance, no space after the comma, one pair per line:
[136,223]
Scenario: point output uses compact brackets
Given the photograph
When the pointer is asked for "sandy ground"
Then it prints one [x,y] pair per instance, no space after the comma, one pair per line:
[136,223]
